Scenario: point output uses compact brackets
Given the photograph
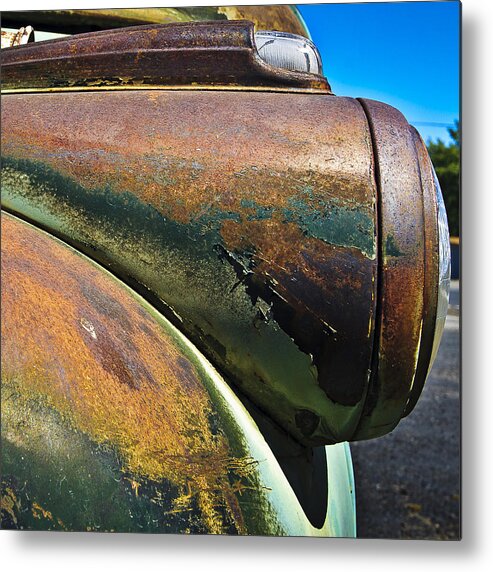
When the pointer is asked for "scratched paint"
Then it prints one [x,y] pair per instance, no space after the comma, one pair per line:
[107,360]
[256,236]
[113,420]
[225,235]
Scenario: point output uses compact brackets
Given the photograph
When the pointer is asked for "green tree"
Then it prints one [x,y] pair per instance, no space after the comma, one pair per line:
[446,160]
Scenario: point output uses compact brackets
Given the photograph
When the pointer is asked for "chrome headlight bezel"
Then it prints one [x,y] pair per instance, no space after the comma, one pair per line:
[444,268]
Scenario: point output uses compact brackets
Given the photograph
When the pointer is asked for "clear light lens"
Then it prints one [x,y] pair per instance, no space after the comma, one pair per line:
[443,270]
[288,51]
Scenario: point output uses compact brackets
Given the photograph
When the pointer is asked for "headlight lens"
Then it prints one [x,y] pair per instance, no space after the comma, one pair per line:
[288,51]
[443,270]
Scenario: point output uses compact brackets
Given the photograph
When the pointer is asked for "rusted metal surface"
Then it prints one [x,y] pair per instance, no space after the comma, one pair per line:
[214,54]
[22,36]
[401,271]
[111,420]
[285,234]
[431,276]
[256,230]
[284,18]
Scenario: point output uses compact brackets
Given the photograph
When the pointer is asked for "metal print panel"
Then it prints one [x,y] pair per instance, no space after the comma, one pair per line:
[215,273]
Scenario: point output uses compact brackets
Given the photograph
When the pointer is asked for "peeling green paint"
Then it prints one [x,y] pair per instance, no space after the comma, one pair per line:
[349,226]
[352,227]
[158,256]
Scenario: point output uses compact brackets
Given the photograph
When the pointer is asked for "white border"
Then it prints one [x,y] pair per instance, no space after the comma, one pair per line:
[89,552]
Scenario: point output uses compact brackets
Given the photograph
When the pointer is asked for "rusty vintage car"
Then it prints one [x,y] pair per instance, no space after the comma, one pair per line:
[215,274]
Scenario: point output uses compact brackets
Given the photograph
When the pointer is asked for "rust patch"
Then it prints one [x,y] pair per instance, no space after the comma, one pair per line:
[294,282]
[283,185]
[9,504]
[401,271]
[184,54]
[132,390]
[169,149]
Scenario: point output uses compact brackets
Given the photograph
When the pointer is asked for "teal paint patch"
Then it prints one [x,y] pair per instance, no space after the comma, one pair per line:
[248,204]
[351,227]
[259,212]
[391,248]
[35,180]
[157,256]
[344,226]
[337,225]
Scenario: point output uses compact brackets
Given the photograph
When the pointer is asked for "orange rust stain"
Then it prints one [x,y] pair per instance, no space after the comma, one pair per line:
[177,156]
[9,504]
[39,512]
[81,343]
[282,251]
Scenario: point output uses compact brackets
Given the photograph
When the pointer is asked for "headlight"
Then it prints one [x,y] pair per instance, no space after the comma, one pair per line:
[288,51]
[443,270]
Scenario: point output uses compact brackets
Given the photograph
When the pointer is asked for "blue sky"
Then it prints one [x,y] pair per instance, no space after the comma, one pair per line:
[403,53]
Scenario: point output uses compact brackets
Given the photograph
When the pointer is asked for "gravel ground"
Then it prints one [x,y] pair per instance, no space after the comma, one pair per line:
[408,482]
